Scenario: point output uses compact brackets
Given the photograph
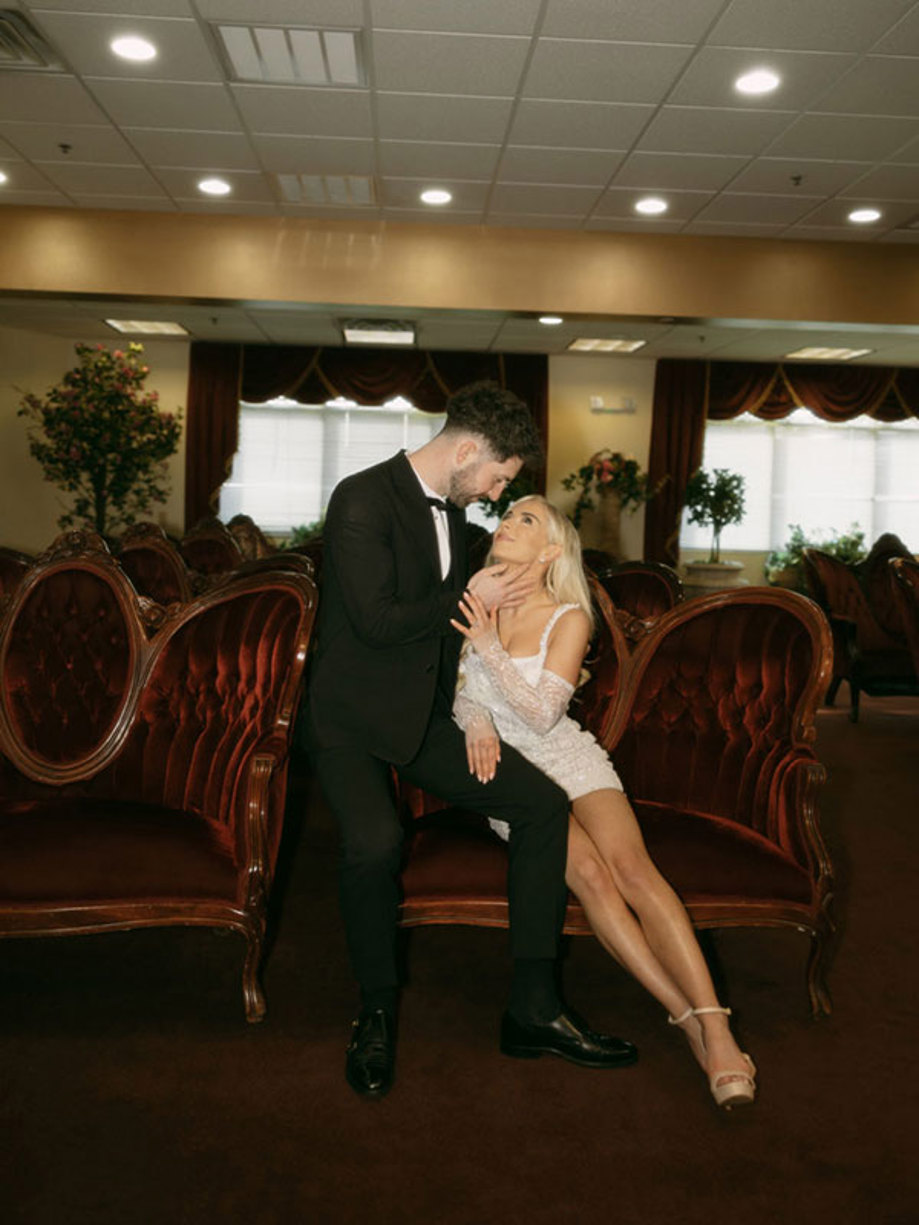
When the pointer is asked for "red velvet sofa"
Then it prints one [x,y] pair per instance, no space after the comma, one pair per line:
[143,750]
[710,722]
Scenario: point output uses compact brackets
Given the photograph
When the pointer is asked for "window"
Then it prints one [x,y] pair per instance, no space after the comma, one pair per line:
[291,456]
[821,474]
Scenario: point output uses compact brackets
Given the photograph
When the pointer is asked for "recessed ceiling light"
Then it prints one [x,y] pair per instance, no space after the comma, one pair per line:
[214,187]
[551,321]
[587,344]
[759,81]
[130,47]
[816,353]
[436,195]
[651,206]
[864,216]
[2,177]
[146,327]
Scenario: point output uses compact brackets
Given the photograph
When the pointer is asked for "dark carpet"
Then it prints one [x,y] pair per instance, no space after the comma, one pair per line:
[133,1092]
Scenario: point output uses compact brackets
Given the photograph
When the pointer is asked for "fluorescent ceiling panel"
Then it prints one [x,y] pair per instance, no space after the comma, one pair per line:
[272,54]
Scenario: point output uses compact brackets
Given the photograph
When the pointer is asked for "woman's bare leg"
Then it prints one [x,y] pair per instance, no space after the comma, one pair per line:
[663,953]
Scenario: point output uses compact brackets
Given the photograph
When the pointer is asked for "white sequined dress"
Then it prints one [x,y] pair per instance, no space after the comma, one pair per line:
[527,706]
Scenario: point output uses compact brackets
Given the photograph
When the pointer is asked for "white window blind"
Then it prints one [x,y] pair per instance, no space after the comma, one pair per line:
[821,474]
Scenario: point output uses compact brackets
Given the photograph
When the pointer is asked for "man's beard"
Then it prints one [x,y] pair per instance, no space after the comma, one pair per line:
[462,491]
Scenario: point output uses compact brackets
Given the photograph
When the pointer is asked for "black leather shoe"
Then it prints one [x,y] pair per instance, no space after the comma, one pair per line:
[568,1037]
[371,1053]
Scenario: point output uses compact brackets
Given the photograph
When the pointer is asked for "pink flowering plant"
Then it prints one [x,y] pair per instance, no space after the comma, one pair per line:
[608,472]
[101,437]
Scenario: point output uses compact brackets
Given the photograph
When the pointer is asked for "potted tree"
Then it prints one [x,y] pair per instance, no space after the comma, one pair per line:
[100,437]
[717,500]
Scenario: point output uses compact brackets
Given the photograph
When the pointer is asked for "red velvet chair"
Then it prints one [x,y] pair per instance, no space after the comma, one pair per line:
[143,751]
[906,595]
[252,541]
[869,647]
[210,548]
[154,564]
[711,724]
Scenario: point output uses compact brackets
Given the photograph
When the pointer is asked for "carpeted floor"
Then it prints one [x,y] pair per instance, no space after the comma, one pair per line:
[132,1091]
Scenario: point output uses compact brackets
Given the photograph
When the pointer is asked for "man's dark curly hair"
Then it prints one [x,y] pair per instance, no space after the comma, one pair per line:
[498,416]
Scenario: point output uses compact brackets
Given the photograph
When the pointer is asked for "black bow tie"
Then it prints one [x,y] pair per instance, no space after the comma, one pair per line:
[438,502]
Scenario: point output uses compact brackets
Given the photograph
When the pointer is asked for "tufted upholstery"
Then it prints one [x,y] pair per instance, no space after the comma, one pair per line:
[154,564]
[644,589]
[143,766]
[210,548]
[710,723]
[869,644]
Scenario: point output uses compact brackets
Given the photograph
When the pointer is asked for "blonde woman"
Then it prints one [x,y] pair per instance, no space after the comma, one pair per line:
[517,674]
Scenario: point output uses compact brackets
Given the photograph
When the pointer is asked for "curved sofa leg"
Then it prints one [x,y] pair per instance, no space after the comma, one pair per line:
[817,990]
[253,995]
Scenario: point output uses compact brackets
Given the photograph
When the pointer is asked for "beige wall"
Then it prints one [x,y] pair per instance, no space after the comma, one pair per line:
[29,506]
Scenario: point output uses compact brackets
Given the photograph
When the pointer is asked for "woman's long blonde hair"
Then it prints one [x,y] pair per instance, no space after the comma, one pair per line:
[566,581]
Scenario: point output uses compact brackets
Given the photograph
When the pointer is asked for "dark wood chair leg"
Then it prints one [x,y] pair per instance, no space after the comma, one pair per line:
[253,995]
[832,691]
[853,709]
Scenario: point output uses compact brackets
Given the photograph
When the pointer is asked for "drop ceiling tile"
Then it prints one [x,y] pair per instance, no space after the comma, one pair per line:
[758,210]
[406,193]
[314,155]
[22,177]
[78,178]
[535,221]
[662,171]
[297,111]
[775,175]
[141,8]
[45,97]
[860,138]
[888,183]
[578,125]
[42,142]
[448,63]
[584,167]
[339,14]
[620,202]
[247,186]
[7,152]
[602,71]
[878,85]
[850,25]
[197,150]
[634,225]
[140,204]
[625,21]
[458,16]
[299,329]
[835,213]
[442,117]
[193,107]
[183,52]
[806,75]
[443,336]
[903,38]
[421,159]
[537,198]
[703,129]
[908,154]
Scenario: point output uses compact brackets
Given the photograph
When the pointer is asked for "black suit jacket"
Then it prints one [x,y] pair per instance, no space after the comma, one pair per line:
[384,613]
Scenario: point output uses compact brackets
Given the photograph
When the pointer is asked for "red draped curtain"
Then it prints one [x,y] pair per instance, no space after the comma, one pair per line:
[222,375]
[687,393]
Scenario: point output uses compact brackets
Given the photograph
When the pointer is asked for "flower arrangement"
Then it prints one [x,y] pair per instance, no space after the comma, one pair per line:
[608,472]
[99,436]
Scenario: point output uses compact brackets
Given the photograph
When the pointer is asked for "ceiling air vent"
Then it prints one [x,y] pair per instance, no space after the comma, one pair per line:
[22,47]
[275,56]
[356,190]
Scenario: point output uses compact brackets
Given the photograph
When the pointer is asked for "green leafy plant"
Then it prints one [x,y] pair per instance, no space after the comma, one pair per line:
[717,500]
[304,533]
[608,472]
[99,436]
[783,567]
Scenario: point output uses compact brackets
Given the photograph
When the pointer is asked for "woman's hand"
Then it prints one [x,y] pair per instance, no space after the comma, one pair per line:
[483,750]
[480,622]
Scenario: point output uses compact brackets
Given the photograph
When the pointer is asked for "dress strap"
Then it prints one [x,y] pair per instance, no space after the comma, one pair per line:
[550,626]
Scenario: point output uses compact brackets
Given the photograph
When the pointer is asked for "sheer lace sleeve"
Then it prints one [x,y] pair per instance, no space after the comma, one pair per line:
[540,706]
[466,712]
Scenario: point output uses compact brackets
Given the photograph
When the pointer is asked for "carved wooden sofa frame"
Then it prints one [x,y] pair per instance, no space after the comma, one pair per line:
[710,720]
[143,750]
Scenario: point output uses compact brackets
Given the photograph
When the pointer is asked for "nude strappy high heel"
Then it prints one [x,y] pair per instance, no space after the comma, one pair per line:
[731,1086]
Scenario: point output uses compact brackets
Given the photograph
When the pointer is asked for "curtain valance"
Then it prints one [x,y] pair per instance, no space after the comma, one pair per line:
[220,375]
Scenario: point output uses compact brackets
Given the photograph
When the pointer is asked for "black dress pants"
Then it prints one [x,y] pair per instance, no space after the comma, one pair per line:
[358,789]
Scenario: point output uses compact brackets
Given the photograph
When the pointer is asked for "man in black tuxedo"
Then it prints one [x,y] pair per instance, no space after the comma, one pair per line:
[381,694]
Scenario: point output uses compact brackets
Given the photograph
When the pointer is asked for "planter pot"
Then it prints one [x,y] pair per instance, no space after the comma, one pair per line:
[715,575]
[603,526]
